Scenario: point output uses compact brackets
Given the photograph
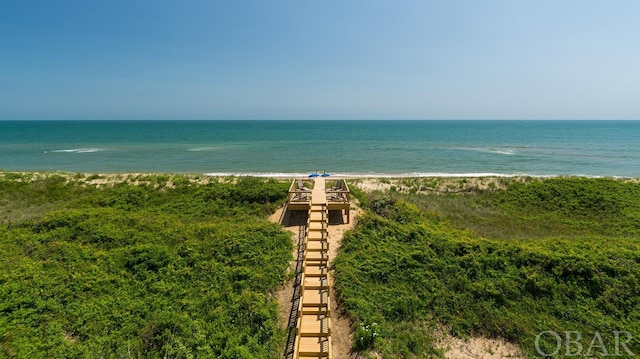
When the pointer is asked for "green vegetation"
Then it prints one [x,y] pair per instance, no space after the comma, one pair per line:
[162,269]
[569,207]
[558,255]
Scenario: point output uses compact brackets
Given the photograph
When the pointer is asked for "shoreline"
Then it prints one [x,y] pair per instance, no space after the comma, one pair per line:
[297,175]
[408,184]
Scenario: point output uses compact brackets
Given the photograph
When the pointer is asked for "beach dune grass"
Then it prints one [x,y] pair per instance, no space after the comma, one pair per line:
[140,270]
[558,255]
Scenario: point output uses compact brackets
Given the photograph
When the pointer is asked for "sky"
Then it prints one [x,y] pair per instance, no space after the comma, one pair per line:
[309,59]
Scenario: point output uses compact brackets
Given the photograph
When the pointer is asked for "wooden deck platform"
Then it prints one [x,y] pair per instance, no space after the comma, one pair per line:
[333,192]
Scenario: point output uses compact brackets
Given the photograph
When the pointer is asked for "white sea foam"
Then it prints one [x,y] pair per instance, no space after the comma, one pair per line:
[77,150]
[202,149]
[258,174]
[370,174]
[426,174]
[503,151]
[495,150]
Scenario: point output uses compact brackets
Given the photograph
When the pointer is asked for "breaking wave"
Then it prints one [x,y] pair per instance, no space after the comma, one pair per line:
[77,150]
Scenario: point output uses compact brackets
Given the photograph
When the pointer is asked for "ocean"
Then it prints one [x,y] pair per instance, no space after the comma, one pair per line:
[347,148]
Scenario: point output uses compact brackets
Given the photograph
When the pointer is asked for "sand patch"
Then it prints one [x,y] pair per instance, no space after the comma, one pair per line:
[479,348]
[472,348]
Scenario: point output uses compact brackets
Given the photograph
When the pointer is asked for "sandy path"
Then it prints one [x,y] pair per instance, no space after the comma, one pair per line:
[479,348]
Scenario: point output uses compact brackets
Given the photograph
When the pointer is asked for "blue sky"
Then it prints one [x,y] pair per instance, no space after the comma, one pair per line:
[308,59]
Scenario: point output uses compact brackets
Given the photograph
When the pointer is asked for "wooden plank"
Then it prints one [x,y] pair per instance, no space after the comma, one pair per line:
[317,226]
[314,326]
[317,194]
[311,347]
[316,256]
[320,271]
[319,183]
[315,298]
[317,216]
[316,235]
[315,283]
[317,246]
[315,311]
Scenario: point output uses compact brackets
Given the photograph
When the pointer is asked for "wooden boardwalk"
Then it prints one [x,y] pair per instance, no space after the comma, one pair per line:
[310,317]
[313,338]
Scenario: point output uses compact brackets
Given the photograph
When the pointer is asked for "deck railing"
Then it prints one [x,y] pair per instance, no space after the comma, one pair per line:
[337,191]
[299,192]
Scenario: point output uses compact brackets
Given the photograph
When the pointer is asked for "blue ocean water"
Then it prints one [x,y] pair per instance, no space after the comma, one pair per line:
[353,148]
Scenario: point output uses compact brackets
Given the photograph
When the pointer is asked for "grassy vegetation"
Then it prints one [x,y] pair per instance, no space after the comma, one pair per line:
[166,268]
[571,207]
[558,254]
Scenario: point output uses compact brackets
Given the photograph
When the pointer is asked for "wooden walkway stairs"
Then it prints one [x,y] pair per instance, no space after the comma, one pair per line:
[313,327]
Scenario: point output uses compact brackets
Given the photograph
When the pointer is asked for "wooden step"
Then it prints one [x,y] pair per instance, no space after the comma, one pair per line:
[317,216]
[316,236]
[314,326]
[317,246]
[314,347]
[309,310]
[315,256]
[315,311]
[317,269]
[315,298]
[317,226]
[315,283]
